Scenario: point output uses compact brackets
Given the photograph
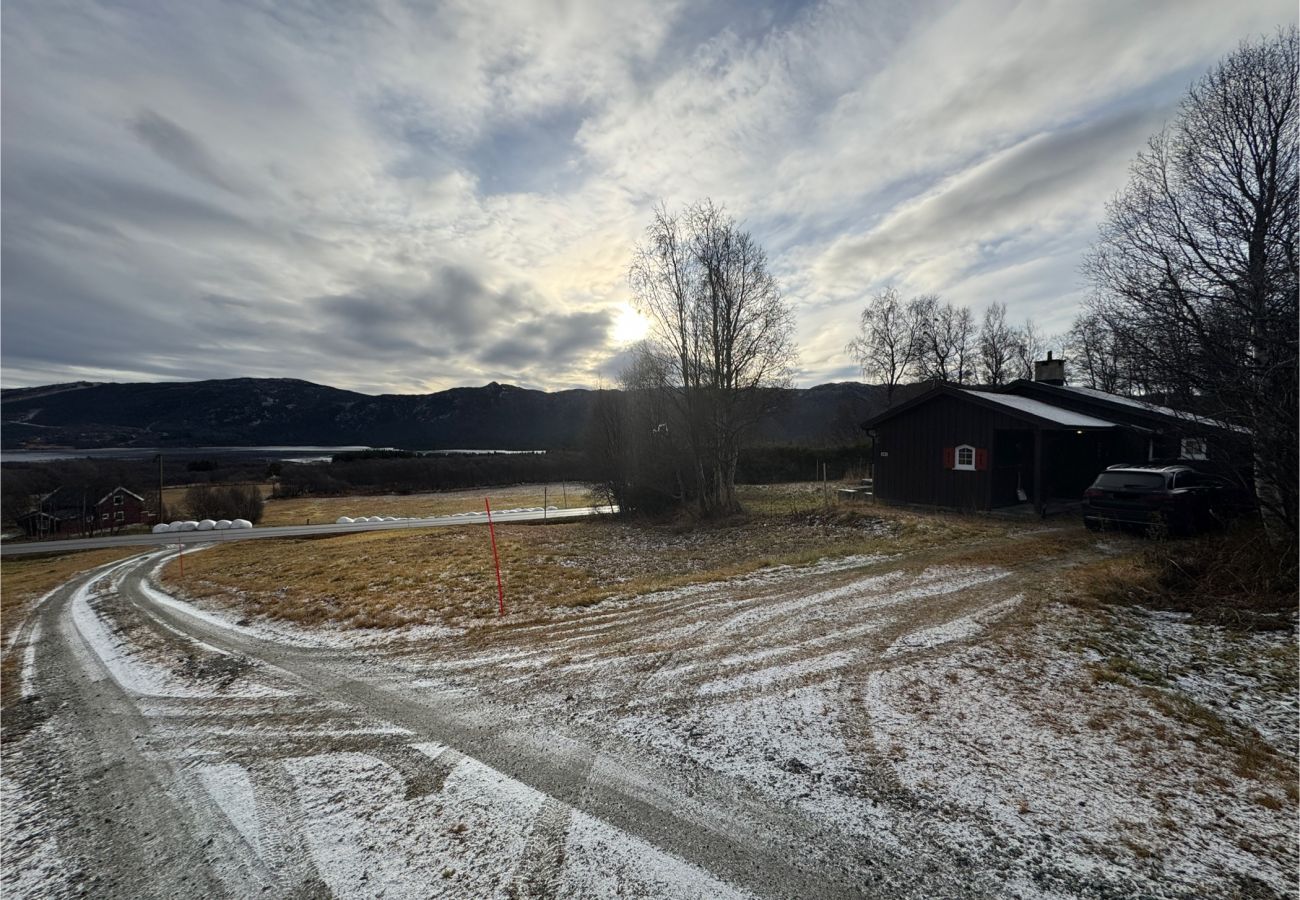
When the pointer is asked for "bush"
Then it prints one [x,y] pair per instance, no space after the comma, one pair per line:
[203,501]
[1237,579]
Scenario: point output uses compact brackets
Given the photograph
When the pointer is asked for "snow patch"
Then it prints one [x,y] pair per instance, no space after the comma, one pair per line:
[955,630]
[602,861]
[229,785]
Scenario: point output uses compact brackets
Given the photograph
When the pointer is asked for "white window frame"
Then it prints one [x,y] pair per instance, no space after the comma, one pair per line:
[119,500]
[957,464]
[119,516]
[1193,448]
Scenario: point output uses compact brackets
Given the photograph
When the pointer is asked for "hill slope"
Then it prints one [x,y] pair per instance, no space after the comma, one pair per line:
[284,411]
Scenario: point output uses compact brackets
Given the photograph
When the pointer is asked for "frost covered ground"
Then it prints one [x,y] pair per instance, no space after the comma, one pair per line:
[890,724]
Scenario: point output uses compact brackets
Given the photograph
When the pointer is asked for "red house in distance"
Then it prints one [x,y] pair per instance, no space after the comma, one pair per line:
[67,512]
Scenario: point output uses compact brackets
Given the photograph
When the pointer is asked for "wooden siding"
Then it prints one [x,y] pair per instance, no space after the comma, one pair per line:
[909,454]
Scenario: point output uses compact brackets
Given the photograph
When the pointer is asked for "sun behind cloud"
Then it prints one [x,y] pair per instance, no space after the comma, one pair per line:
[629,326]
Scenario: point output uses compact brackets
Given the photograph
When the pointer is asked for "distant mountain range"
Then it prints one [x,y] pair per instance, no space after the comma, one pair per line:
[285,411]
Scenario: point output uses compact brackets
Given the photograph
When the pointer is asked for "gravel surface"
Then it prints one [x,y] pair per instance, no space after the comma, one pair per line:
[862,728]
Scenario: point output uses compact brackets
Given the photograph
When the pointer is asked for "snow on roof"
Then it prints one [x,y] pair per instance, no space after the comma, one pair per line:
[120,490]
[1043,410]
[1150,407]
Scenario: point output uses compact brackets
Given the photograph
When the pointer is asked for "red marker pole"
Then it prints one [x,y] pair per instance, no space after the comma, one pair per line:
[492,530]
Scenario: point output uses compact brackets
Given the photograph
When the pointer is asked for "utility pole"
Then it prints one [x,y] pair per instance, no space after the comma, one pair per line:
[158,515]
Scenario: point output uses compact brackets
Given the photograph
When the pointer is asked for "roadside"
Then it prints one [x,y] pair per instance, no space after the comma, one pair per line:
[930,706]
[23,582]
[299,510]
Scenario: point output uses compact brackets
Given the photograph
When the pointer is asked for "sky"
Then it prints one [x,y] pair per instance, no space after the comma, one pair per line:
[400,198]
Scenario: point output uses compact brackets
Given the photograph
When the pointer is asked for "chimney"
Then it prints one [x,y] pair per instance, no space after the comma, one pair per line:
[1050,371]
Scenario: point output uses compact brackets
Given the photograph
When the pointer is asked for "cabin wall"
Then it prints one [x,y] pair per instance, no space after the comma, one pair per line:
[909,454]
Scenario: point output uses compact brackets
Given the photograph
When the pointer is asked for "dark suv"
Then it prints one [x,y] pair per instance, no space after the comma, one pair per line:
[1177,498]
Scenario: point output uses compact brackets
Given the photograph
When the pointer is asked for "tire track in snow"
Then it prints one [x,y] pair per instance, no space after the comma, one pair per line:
[542,862]
[761,847]
[282,833]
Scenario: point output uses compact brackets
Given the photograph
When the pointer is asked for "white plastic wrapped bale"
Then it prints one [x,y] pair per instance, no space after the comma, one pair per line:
[161,528]
[190,525]
[176,526]
[241,523]
[343,520]
[207,524]
[222,524]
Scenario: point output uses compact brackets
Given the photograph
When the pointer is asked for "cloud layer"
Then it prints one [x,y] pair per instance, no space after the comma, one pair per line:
[393,197]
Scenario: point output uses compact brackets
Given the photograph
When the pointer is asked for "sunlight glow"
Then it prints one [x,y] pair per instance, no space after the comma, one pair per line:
[629,326]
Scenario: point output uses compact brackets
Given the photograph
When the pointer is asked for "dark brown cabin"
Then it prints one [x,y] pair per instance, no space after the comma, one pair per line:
[1031,441]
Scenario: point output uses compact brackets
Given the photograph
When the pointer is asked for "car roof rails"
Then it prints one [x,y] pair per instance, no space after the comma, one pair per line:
[1149,466]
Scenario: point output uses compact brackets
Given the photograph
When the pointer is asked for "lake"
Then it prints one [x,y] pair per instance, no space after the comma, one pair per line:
[288,454]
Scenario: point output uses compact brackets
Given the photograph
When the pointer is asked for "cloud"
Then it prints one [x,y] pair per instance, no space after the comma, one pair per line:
[555,339]
[397,197]
[180,148]
[1041,184]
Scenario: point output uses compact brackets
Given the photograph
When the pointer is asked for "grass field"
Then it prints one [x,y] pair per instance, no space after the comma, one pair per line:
[445,575]
[305,510]
[300,510]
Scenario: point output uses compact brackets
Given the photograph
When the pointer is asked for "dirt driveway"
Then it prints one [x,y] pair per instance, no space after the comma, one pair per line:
[869,726]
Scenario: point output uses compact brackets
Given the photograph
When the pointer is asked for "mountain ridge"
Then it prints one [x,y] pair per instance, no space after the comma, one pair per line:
[290,411]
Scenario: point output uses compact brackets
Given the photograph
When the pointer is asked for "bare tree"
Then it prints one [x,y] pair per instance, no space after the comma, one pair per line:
[998,343]
[965,343]
[721,326]
[1196,262]
[886,345]
[1093,355]
[945,340]
[206,501]
[1031,344]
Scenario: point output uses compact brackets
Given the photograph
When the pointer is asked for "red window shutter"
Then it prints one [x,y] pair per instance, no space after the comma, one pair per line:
[949,459]
[981,459]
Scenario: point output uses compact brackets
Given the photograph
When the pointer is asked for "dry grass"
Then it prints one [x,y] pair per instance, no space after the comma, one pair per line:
[1237,579]
[301,510]
[445,575]
[24,580]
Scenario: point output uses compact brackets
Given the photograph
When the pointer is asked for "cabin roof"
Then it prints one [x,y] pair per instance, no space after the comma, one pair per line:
[1028,409]
[1132,403]
[1041,410]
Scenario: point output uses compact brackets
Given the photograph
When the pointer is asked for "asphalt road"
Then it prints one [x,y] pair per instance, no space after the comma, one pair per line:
[290,531]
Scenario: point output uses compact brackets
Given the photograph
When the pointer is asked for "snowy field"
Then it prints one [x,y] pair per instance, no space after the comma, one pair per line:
[881,725]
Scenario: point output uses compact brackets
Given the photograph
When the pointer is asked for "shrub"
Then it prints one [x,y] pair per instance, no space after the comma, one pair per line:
[203,501]
[1236,578]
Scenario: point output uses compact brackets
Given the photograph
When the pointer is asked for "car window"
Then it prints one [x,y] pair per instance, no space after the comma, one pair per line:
[1188,479]
[1130,481]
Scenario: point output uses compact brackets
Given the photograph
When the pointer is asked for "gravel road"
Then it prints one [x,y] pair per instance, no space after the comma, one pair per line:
[685,744]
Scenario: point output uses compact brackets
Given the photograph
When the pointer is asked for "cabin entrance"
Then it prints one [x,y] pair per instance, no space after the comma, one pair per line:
[1013,466]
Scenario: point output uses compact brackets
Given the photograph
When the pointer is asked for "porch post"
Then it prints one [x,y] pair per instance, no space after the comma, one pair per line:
[1038,472]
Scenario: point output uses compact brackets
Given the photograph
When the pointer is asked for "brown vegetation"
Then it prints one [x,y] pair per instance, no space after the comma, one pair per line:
[445,575]
[1238,579]
[300,510]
